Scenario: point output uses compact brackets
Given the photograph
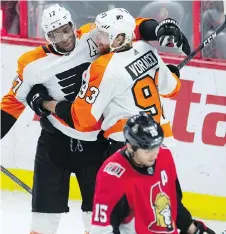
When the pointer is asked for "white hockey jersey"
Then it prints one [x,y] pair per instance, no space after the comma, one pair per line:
[62,76]
[120,85]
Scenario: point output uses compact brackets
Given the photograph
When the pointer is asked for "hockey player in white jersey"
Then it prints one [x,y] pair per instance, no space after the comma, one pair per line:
[120,84]
[52,173]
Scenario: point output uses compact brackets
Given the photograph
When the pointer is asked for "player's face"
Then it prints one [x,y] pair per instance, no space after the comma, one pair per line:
[101,39]
[63,38]
[146,157]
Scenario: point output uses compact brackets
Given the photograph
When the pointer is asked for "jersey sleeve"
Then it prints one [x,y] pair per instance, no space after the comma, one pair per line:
[94,95]
[139,21]
[11,109]
[184,218]
[172,163]
[110,206]
[145,29]
[11,106]
[30,74]
[84,29]
[174,173]
[168,83]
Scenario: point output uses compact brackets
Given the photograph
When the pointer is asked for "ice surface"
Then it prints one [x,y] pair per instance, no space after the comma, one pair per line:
[16,216]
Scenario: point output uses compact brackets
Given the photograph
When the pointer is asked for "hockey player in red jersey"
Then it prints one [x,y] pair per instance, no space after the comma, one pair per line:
[137,190]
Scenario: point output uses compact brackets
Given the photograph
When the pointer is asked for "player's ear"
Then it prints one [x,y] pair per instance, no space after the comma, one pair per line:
[129,147]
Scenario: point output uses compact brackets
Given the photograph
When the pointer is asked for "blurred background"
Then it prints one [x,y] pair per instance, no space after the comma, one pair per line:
[198,19]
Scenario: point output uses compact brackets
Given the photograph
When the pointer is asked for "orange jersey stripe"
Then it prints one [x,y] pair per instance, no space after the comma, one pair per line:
[29,57]
[119,126]
[81,110]
[84,29]
[167,129]
[176,90]
[12,106]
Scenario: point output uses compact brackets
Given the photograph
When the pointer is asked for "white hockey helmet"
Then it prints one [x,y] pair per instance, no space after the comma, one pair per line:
[54,17]
[114,22]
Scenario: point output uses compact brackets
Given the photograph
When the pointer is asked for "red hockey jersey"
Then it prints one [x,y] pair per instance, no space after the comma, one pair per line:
[131,200]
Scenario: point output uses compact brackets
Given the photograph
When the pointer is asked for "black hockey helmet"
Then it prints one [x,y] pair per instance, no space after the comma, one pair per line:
[141,131]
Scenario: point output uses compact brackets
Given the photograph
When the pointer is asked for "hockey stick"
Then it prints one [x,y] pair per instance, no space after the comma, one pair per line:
[16,180]
[206,42]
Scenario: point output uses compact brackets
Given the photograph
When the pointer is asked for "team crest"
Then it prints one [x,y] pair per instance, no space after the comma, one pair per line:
[161,206]
[115,169]
[70,81]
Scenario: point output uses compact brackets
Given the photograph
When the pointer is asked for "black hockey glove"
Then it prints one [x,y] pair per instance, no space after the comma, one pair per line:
[169,34]
[37,95]
[201,228]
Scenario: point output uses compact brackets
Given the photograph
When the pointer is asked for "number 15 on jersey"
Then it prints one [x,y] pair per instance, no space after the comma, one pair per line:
[100,213]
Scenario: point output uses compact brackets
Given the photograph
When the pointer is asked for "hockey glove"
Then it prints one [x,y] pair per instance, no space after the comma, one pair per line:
[169,34]
[37,95]
[201,228]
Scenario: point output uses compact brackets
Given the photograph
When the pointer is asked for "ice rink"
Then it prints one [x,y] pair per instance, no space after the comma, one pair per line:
[16,216]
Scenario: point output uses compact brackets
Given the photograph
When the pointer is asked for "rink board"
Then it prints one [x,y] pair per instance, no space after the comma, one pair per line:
[201,205]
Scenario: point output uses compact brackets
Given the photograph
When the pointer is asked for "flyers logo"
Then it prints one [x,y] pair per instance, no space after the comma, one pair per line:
[71,80]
